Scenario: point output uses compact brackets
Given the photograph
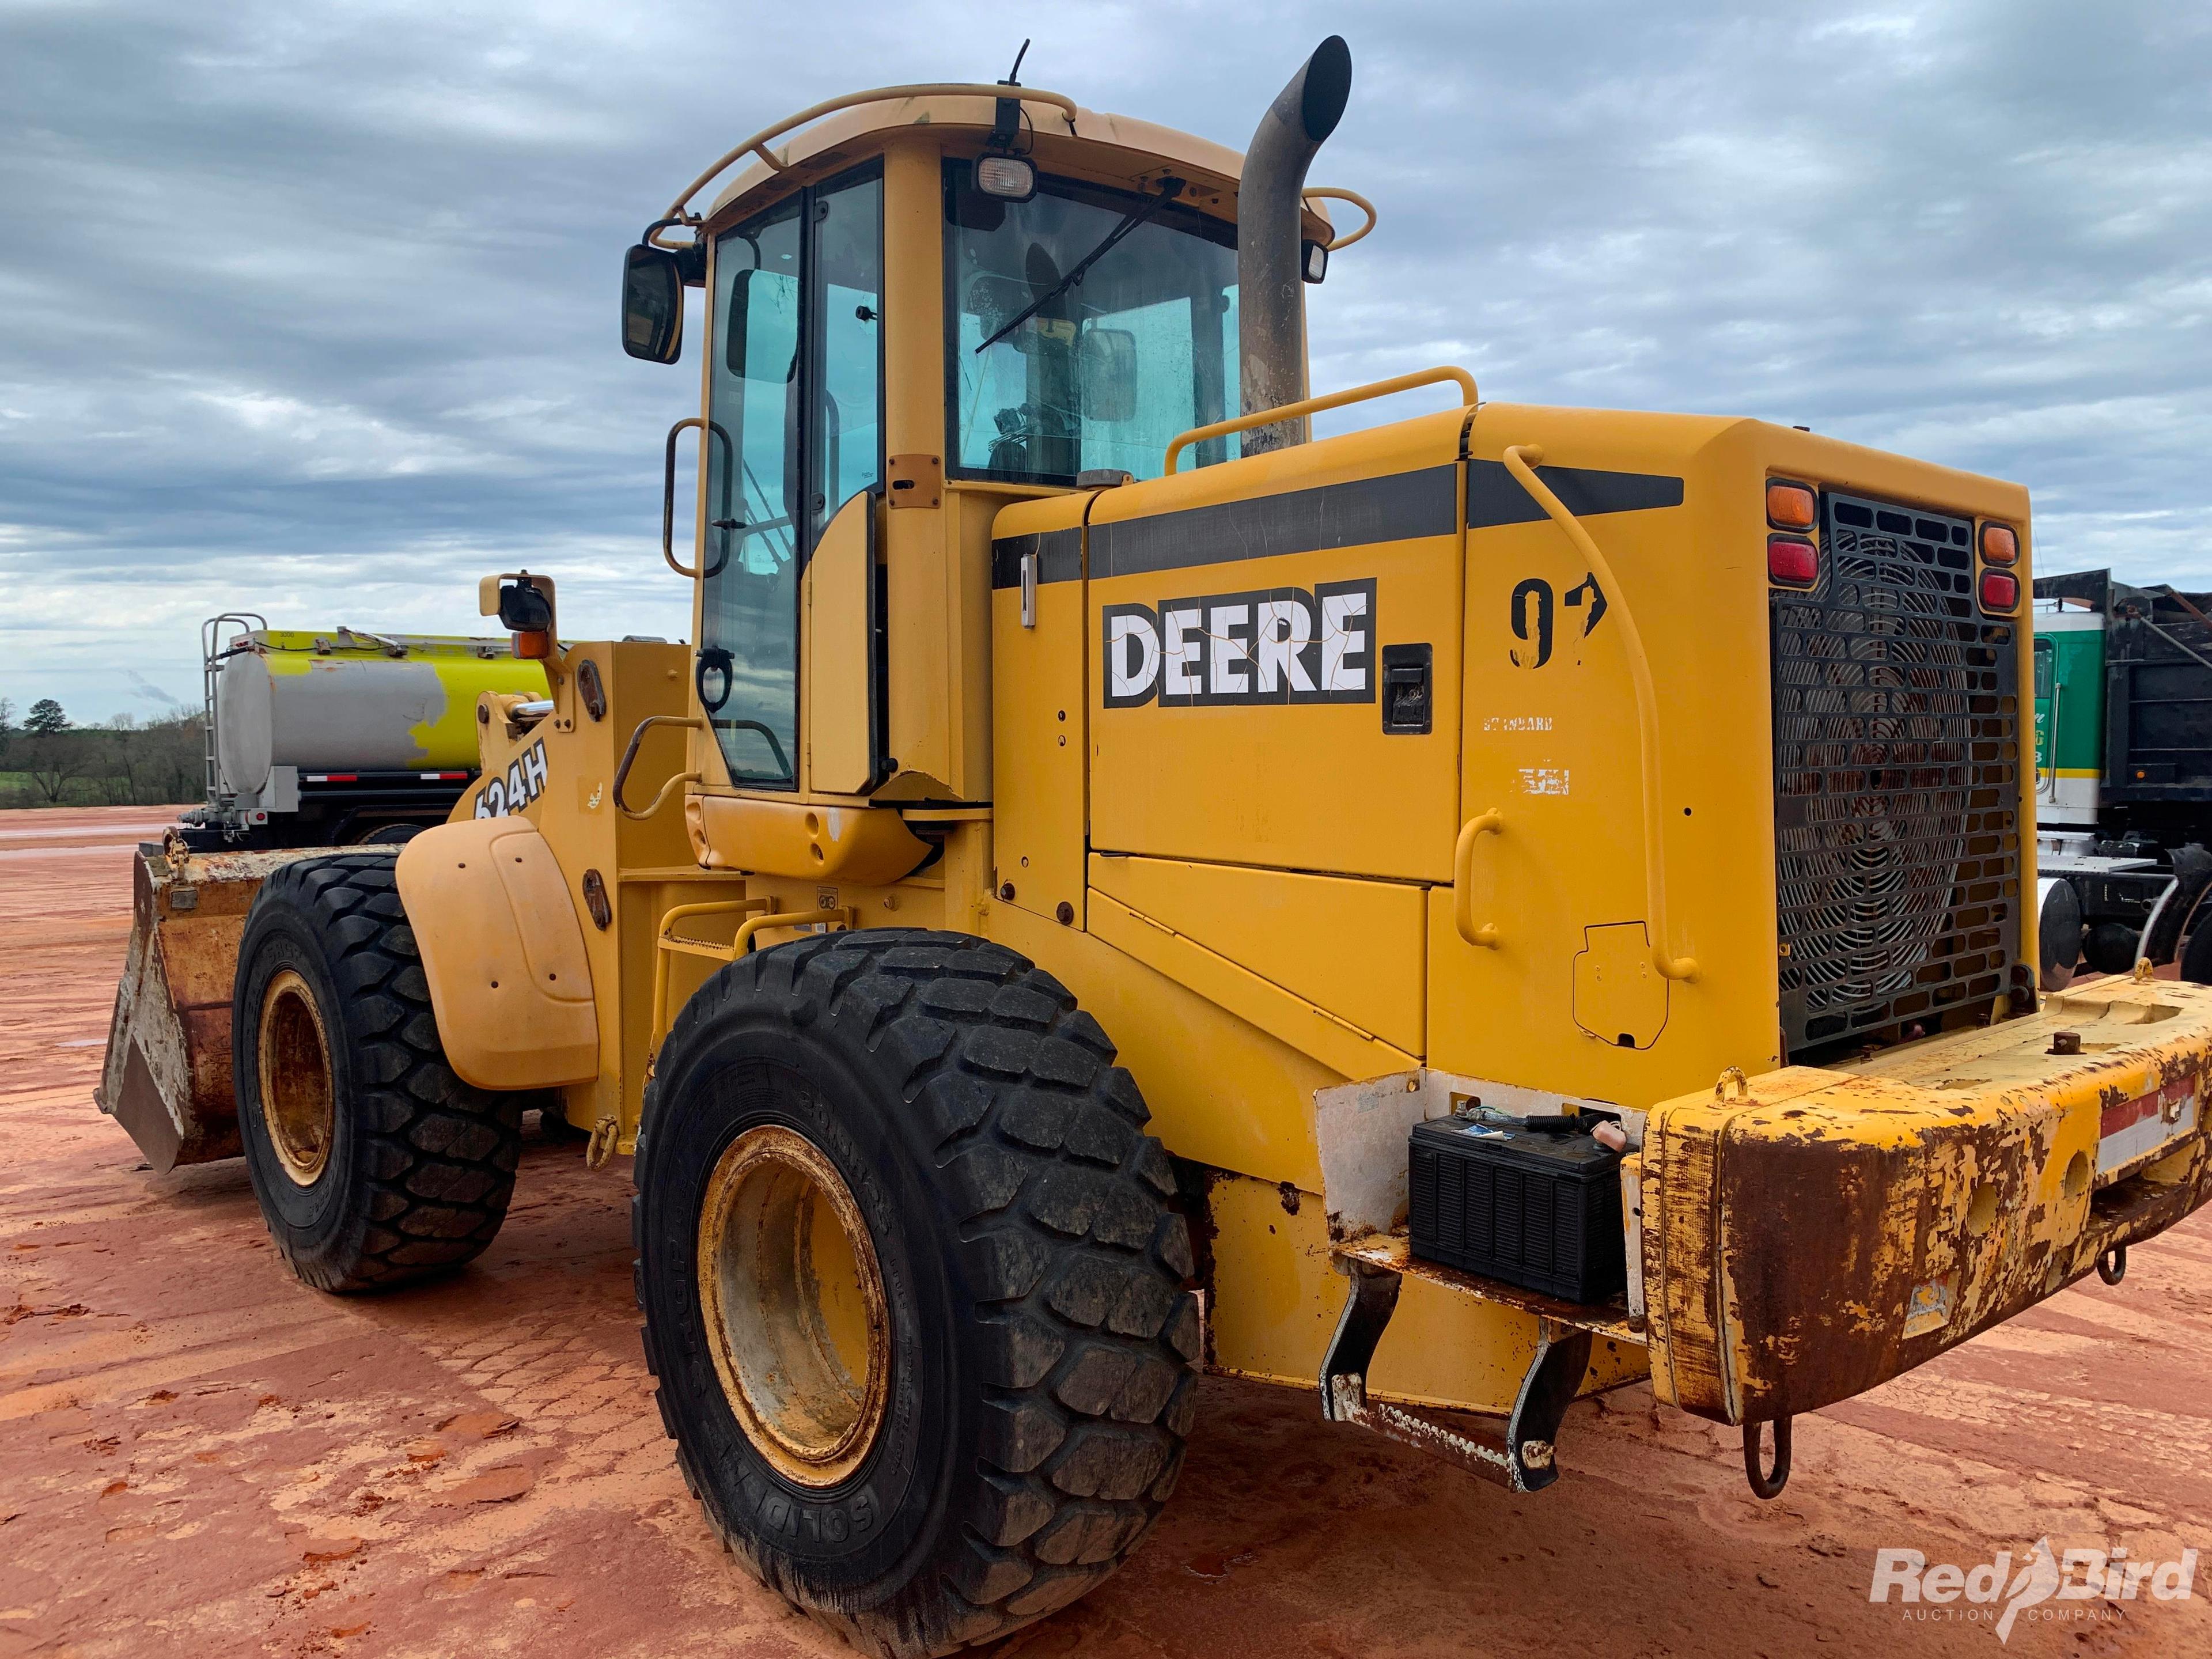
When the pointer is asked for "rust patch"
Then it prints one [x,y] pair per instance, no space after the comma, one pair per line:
[1796,1256]
[167,1079]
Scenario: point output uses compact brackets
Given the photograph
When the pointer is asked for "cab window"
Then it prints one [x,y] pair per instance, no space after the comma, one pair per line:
[1049,377]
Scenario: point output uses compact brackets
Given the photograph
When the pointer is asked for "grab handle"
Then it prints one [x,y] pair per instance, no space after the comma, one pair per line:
[1488,824]
[629,759]
[724,523]
[1199,434]
[1522,461]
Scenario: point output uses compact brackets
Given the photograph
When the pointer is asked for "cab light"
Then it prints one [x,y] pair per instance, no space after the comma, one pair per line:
[1792,559]
[1789,506]
[2000,590]
[1006,176]
[1999,544]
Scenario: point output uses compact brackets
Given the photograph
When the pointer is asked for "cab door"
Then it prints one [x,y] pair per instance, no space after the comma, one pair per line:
[789,670]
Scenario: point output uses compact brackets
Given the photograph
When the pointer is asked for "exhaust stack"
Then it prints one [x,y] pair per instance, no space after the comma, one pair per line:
[1270,278]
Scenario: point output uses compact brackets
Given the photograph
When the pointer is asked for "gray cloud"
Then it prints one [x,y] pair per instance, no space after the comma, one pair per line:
[311,309]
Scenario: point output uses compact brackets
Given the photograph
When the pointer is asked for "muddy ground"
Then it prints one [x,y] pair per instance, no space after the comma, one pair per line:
[200,1455]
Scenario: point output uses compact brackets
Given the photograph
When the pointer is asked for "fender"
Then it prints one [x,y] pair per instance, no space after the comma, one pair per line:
[503,953]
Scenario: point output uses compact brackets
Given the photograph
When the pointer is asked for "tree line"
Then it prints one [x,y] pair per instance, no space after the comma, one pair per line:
[49,760]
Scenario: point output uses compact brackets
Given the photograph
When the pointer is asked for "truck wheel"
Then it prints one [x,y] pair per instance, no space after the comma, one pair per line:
[374,1162]
[912,1287]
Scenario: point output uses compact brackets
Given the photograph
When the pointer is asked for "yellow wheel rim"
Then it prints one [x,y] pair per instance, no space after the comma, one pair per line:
[298,1103]
[793,1304]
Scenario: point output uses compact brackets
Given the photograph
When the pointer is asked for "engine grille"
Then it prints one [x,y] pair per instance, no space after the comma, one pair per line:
[1896,745]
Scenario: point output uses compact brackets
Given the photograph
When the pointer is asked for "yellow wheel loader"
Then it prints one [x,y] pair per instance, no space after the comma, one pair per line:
[1457,916]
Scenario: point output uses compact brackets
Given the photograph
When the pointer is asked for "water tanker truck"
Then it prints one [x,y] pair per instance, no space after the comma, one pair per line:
[337,737]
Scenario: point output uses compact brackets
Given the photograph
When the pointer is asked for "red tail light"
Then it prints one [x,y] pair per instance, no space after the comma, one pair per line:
[1793,560]
[2000,590]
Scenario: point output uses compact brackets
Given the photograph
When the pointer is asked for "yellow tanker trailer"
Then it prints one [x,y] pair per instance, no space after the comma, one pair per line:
[1455,916]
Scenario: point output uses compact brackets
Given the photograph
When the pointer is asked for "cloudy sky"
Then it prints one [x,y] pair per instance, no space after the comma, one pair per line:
[309,307]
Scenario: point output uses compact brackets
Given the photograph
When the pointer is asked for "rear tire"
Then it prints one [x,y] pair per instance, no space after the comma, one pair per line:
[1014,1423]
[374,1162]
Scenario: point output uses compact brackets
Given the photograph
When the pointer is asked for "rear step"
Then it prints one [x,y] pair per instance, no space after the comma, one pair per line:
[1522,1457]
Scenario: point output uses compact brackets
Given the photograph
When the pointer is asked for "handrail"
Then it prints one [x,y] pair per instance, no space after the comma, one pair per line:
[668,497]
[1199,434]
[1331,193]
[757,144]
[629,759]
[2056,689]
[1487,823]
[1522,461]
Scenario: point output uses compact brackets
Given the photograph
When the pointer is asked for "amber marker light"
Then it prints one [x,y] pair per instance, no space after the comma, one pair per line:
[1789,506]
[1999,544]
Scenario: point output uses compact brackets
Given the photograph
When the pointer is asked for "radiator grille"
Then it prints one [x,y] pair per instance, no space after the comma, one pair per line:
[1896,746]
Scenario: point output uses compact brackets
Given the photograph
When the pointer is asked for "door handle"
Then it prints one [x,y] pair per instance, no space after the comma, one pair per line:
[1487,823]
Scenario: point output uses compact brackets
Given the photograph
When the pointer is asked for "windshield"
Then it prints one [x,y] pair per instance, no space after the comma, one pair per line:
[1109,371]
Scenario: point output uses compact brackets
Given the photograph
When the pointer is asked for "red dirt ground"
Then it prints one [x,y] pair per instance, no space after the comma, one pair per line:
[200,1455]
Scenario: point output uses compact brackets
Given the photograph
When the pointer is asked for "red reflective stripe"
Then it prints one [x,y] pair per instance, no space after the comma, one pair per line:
[2127,1115]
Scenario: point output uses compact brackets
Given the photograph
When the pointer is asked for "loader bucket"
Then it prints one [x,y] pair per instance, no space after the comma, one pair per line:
[167,1079]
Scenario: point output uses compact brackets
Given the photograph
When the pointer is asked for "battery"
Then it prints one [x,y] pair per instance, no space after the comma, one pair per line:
[1542,1210]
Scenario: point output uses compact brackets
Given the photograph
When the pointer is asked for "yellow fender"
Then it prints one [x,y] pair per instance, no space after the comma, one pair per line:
[503,952]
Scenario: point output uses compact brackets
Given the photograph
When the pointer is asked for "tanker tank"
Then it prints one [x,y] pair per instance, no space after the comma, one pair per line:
[336,735]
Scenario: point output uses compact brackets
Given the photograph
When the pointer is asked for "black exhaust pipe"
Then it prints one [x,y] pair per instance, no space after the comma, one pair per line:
[1271,296]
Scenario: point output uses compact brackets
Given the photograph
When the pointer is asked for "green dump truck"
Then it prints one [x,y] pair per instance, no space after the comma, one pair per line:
[2124,775]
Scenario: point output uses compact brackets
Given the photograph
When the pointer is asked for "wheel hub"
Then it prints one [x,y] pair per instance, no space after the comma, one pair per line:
[298,1103]
[794,1304]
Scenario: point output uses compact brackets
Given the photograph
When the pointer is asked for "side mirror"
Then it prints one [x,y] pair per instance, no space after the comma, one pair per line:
[653,304]
[524,604]
[1106,361]
[523,610]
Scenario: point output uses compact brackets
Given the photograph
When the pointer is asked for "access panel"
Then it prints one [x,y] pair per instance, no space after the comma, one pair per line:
[1243,619]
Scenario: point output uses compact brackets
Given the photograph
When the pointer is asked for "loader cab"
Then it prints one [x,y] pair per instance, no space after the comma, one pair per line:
[912,322]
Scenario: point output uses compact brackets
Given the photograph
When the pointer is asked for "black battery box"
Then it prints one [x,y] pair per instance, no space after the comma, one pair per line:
[1539,1210]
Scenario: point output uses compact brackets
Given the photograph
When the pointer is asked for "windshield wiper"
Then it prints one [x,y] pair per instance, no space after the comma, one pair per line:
[1169,189]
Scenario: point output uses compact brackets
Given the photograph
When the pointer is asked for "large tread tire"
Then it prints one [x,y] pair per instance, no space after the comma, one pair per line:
[421,1164]
[1043,1333]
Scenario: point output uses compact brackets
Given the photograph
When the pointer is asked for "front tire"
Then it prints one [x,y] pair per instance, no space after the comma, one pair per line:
[374,1162]
[913,1289]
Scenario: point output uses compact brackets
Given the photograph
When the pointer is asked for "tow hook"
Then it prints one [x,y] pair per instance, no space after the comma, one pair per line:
[1767,1483]
[2113,1266]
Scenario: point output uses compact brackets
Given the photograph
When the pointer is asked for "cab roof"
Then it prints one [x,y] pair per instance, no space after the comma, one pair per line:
[1096,145]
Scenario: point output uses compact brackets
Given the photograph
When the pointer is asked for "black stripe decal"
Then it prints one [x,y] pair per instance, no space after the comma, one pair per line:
[1495,497]
[1059,557]
[1396,508]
